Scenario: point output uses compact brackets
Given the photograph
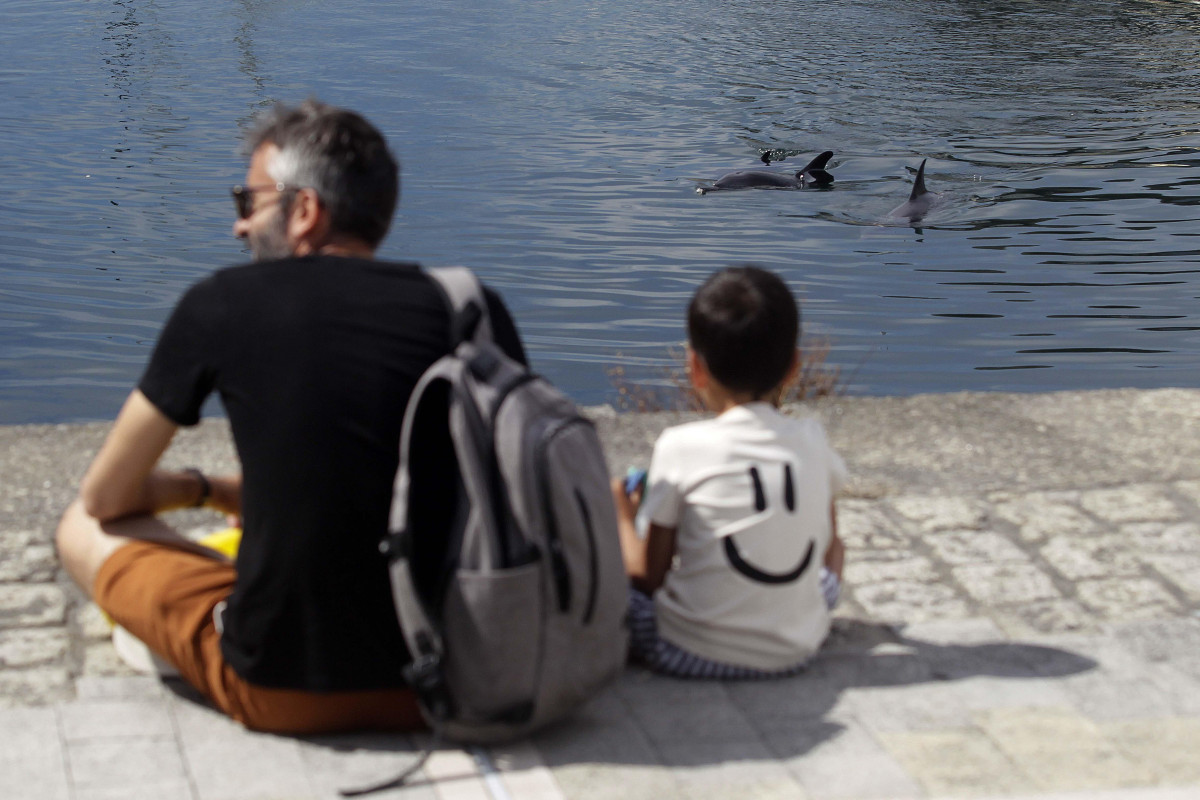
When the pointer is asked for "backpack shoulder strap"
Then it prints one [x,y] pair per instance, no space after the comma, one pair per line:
[468,306]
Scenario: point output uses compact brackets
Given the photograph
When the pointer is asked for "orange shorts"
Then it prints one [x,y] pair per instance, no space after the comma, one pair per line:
[165,597]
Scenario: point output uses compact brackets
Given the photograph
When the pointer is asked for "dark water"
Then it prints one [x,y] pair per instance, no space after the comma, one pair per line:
[556,147]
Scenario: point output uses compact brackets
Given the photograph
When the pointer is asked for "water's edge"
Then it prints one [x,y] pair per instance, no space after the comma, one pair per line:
[969,442]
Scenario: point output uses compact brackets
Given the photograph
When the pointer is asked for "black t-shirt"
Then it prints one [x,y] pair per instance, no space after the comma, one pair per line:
[314,359]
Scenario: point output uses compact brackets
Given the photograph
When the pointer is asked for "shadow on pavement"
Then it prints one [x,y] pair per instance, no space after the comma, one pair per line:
[649,719]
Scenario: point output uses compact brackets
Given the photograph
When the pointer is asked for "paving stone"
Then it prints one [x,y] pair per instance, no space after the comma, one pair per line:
[455,776]
[352,760]
[1005,583]
[588,780]
[1109,653]
[90,623]
[1161,639]
[1103,697]
[32,647]
[100,659]
[1044,616]
[1162,537]
[167,789]
[895,665]
[973,630]
[1182,570]
[974,547]
[910,601]
[890,565]
[523,772]
[770,705]
[942,513]
[1098,557]
[1061,750]
[149,765]
[985,692]
[1180,685]
[848,764]
[926,707]
[1002,659]
[110,719]
[1167,746]
[227,761]
[32,763]
[1130,504]
[35,686]
[728,769]
[670,710]
[119,687]
[25,558]
[1045,514]
[1127,598]
[1190,489]
[960,762]
[864,525]
[31,606]
[604,730]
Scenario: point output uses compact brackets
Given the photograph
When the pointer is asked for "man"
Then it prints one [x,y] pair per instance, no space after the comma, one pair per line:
[314,348]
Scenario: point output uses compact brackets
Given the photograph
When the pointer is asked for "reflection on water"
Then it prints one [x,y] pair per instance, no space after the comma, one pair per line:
[556,148]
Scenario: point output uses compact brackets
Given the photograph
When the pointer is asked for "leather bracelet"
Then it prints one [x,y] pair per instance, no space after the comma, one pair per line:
[205,487]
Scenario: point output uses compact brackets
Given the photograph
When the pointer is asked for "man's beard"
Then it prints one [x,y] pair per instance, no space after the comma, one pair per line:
[270,241]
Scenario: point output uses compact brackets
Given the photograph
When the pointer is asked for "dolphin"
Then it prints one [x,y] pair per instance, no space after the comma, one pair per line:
[919,201]
[812,175]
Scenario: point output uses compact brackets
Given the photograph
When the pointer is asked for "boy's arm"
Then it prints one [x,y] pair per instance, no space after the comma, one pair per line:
[835,554]
[648,560]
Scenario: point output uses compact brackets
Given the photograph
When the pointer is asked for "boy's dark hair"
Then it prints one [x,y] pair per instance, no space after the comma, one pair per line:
[743,322]
[339,154]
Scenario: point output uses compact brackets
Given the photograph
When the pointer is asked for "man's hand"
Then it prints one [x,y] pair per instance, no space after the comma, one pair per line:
[226,497]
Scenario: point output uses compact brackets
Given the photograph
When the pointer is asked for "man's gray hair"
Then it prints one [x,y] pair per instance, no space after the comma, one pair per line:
[340,155]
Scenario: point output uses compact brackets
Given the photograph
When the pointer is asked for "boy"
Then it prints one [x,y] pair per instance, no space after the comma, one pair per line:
[733,553]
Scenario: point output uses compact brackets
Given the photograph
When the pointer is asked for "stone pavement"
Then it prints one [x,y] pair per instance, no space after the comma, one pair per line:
[1021,620]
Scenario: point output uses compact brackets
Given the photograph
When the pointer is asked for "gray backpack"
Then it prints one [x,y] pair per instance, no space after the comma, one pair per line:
[512,603]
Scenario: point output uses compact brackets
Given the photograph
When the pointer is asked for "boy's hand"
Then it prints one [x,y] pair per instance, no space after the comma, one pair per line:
[626,504]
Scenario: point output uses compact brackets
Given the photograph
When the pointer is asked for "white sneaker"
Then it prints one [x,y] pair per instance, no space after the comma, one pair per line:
[134,652]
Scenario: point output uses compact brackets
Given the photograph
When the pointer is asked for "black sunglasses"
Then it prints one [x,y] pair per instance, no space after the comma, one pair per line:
[243,197]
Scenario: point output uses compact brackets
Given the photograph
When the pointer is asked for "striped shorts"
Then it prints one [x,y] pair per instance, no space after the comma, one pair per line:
[647,647]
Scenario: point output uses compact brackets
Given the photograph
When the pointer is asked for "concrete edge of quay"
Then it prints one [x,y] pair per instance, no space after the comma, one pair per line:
[1022,620]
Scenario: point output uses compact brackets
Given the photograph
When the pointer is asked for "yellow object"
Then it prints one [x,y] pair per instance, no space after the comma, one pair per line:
[226,541]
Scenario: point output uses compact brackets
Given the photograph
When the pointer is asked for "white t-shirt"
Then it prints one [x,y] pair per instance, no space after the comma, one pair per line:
[749,495]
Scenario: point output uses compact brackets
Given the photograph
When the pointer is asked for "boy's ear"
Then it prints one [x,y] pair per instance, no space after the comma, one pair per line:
[697,372]
[794,369]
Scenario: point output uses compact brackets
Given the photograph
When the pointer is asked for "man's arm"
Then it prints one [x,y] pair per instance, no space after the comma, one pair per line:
[122,480]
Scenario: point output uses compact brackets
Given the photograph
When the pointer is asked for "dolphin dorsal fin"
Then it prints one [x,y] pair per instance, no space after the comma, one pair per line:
[919,184]
[819,162]
[816,169]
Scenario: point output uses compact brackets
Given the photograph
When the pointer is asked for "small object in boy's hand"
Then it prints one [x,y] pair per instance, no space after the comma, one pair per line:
[635,480]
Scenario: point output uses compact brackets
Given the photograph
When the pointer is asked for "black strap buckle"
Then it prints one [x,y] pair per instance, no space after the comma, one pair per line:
[424,675]
[394,545]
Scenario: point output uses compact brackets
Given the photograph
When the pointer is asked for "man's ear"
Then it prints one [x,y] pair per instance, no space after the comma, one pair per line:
[308,221]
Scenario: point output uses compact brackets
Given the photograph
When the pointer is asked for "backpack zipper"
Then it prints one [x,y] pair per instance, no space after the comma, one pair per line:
[593,558]
[558,561]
